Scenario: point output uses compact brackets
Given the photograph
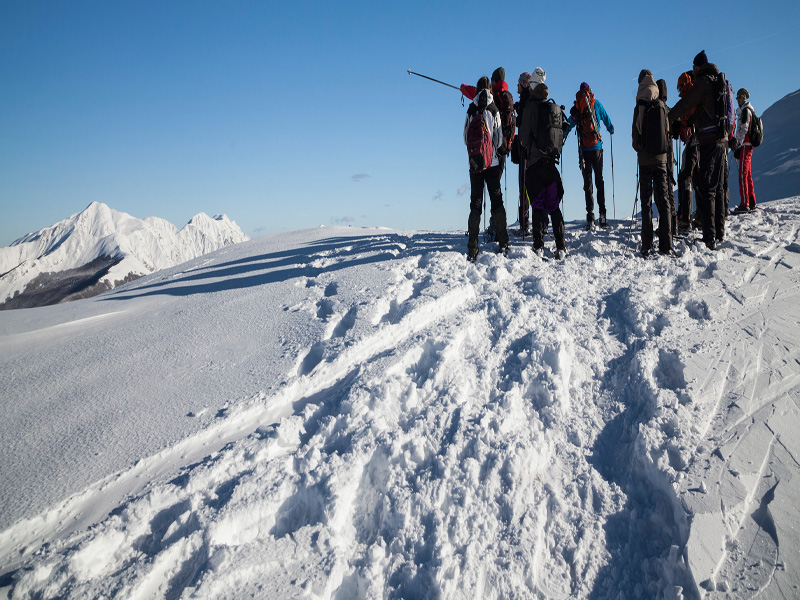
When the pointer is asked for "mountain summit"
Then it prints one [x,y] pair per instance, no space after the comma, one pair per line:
[99,248]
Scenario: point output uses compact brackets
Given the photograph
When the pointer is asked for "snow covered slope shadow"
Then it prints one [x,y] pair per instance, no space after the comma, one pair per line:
[99,248]
[594,427]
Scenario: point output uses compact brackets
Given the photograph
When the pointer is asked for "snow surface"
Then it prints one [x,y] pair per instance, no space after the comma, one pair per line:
[145,245]
[360,413]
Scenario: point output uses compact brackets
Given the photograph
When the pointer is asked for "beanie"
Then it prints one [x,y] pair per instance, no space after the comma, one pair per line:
[525,79]
[700,59]
[585,86]
[483,83]
[499,75]
[644,73]
[744,93]
[538,76]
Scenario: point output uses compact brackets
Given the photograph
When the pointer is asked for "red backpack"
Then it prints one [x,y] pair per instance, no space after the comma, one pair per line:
[479,138]
[587,120]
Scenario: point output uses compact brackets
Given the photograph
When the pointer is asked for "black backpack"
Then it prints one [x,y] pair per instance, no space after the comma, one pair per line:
[655,134]
[724,117]
[548,134]
[756,131]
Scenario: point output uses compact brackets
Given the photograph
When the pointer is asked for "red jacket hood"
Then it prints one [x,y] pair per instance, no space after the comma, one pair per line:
[501,86]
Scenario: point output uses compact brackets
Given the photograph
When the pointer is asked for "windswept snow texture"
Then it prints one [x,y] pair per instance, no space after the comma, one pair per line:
[99,248]
[360,413]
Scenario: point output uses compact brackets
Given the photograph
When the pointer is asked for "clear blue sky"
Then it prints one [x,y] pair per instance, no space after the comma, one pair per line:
[286,115]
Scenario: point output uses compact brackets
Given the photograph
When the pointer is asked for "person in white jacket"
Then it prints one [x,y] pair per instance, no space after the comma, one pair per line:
[480,175]
[744,151]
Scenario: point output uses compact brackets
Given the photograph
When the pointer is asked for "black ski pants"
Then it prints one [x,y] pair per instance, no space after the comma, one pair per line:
[653,181]
[491,178]
[686,177]
[711,191]
[593,163]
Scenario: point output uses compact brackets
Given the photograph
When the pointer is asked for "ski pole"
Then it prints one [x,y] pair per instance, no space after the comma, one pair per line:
[613,195]
[635,202]
[410,72]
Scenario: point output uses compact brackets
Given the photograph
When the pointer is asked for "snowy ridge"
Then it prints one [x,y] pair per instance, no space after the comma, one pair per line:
[367,415]
[135,246]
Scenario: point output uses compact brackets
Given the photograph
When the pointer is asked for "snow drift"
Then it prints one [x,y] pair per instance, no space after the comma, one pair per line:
[353,413]
[99,248]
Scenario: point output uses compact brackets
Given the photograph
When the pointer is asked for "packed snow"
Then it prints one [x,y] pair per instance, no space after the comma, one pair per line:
[348,413]
[140,246]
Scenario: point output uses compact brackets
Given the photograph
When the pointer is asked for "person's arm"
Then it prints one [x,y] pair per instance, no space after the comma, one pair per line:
[602,115]
[742,127]
[635,134]
[469,91]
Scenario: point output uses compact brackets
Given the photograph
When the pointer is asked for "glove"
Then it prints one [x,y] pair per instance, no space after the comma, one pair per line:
[737,153]
[611,130]
[732,143]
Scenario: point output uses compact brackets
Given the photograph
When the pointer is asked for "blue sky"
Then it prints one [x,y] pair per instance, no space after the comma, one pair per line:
[293,115]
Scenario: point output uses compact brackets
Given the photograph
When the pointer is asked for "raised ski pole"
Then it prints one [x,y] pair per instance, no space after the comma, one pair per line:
[410,72]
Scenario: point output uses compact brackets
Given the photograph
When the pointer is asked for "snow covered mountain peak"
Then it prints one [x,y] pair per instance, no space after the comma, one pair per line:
[98,248]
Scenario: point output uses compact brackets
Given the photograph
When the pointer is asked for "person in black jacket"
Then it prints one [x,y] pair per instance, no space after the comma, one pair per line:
[653,178]
[543,183]
[713,147]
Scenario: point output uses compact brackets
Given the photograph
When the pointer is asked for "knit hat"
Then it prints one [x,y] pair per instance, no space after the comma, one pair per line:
[585,86]
[525,79]
[538,76]
[701,59]
[499,75]
[744,93]
[644,73]
[483,83]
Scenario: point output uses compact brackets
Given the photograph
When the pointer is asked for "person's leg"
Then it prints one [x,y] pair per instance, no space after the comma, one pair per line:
[493,184]
[646,193]
[587,185]
[747,157]
[598,182]
[660,181]
[475,209]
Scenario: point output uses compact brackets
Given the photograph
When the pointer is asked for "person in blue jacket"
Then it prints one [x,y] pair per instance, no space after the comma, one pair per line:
[586,114]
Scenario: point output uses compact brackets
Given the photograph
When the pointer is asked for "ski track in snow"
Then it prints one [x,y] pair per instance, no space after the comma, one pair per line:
[508,429]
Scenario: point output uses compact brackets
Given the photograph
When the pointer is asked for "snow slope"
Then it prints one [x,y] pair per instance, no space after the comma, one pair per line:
[132,247]
[358,413]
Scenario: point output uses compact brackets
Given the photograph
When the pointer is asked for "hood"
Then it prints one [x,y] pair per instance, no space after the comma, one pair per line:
[489,97]
[648,90]
[540,92]
[499,86]
[708,69]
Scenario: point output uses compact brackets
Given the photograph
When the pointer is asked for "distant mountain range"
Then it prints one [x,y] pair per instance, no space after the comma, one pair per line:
[776,163]
[100,248]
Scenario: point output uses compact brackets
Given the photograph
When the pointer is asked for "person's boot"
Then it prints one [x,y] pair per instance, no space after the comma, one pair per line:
[500,228]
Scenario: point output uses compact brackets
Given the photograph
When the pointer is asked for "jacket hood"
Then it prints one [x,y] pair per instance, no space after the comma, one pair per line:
[708,69]
[540,92]
[648,90]
[489,97]
[499,86]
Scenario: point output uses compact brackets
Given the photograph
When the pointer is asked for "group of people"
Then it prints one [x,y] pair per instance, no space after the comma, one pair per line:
[533,130]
